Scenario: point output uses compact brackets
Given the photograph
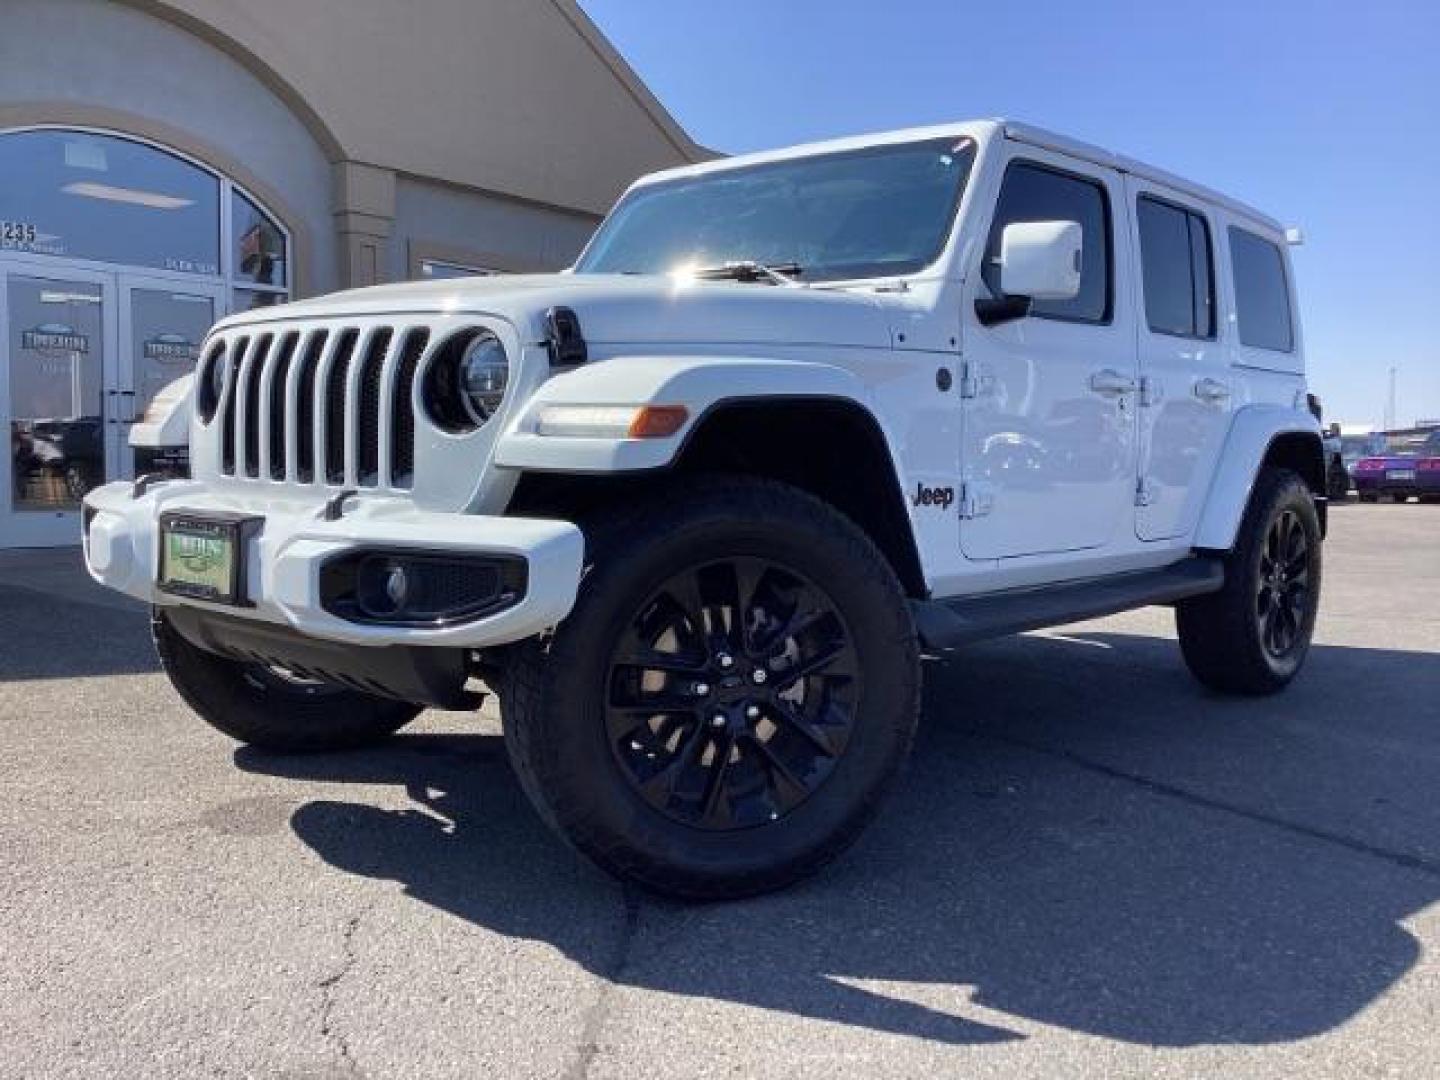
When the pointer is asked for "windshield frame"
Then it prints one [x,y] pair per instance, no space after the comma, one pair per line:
[910,269]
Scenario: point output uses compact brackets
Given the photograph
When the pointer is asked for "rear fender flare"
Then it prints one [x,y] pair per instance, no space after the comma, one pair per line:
[1253,432]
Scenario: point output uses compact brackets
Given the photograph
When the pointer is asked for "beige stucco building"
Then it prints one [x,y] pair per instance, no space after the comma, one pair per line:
[165,163]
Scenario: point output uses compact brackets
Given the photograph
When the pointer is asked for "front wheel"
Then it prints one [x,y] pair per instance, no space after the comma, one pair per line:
[733,692]
[269,707]
[1252,636]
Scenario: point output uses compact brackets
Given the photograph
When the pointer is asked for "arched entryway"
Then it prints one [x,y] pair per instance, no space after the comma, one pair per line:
[116,255]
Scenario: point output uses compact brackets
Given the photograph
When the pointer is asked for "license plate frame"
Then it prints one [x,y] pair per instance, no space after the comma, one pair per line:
[211,565]
[1399,474]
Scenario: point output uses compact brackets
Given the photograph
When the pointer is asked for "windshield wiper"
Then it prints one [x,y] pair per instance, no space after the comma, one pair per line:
[750,270]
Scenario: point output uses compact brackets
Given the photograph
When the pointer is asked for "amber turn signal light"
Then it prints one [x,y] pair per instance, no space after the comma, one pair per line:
[658,421]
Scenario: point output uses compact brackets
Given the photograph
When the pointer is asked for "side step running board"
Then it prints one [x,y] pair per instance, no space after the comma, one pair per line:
[949,624]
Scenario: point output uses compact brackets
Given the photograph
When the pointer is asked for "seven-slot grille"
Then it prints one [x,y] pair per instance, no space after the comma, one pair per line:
[327,405]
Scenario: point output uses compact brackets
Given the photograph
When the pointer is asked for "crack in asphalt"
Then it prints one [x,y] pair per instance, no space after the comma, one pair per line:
[1159,787]
[599,1011]
[328,987]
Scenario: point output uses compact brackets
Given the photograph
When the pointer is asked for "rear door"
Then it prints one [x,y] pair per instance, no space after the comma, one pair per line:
[1186,392]
[1049,428]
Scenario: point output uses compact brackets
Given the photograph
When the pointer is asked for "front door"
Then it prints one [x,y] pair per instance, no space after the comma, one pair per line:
[57,399]
[1049,425]
[87,351]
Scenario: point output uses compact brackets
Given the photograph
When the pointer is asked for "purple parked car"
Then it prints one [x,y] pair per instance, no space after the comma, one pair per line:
[1410,465]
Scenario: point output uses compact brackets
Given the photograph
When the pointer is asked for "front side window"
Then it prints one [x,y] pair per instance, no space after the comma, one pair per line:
[1262,300]
[876,212]
[1175,265]
[1032,192]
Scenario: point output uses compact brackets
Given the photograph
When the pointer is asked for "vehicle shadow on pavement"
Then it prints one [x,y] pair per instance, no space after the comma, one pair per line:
[1084,839]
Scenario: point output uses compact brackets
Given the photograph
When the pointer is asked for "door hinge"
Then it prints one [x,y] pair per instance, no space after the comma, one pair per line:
[976,500]
[1150,391]
[973,380]
[1144,492]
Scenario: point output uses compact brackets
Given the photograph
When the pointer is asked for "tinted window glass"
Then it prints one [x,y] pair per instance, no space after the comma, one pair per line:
[88,196]
[1203,260]
[1262,302]
[867,213]
[1035,193]
[1175,269]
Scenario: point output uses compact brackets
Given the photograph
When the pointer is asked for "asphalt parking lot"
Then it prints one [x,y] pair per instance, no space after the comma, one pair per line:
[1093,867]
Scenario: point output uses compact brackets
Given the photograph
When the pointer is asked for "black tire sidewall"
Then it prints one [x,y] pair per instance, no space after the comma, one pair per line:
[599,808]
[1287,493]
[221,691]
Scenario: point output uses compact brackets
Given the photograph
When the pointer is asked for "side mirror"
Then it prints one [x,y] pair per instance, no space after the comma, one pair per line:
[1039,260]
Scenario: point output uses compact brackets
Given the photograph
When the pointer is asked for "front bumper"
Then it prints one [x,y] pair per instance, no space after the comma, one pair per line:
[284,558]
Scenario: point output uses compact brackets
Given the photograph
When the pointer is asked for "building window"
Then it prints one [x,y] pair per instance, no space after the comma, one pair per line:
[1175,265]
[1032,192]
[79,195]
[96,197]
[438,269]
[1262,298]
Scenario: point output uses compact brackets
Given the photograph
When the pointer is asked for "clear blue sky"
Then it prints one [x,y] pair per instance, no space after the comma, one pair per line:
[1324,114]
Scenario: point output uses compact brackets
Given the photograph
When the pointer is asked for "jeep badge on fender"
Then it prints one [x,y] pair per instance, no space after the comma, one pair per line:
[657,504]
[943,497]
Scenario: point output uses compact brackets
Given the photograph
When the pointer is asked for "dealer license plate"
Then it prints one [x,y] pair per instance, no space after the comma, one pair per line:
[1400,474]
[202,556]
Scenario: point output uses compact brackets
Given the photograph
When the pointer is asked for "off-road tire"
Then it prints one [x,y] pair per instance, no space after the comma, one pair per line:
[553,690]
[1220,633]
[263,709]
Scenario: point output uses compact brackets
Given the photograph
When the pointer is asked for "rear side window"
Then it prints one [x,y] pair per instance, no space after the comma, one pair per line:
[1262,302]
[1175,265]
[1035,193]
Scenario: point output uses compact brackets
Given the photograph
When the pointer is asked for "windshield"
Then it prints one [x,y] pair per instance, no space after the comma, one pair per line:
[875,212]
[1412,444]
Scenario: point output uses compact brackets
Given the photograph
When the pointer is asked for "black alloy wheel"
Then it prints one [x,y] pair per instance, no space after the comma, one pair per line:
[732,694]
[1283,585]
[729,698]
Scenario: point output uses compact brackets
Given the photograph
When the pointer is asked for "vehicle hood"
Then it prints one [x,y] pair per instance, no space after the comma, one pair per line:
[626,309]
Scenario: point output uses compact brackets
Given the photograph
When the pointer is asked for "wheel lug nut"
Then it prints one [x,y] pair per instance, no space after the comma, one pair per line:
[718,720]
[725,660]
[752,713]
[701,689]
[758,676]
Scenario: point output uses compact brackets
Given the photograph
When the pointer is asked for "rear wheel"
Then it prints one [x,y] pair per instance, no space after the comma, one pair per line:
[269,707]
[734,690]
[1252,636]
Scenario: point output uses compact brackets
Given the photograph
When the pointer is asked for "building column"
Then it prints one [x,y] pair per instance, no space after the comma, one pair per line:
[364,217]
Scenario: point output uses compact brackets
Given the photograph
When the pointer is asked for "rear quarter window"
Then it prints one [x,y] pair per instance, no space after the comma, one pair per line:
[1262,299]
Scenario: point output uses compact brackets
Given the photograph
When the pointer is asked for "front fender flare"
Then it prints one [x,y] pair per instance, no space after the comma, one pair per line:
[1253,431]
[700,383]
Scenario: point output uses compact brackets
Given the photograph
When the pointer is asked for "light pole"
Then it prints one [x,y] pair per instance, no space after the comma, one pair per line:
[1390,403]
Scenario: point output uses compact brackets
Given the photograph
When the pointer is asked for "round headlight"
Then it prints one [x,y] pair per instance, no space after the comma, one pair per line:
[465,382]
[484,374]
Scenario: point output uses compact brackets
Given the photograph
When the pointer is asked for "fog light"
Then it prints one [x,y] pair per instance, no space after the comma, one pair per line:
[382,586]
[399,588]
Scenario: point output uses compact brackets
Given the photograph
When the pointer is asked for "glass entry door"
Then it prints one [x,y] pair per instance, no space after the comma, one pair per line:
[59,332]
[162,324]
[87,351]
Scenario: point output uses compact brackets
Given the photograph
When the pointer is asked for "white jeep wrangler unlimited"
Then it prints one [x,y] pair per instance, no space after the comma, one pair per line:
[694,508]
